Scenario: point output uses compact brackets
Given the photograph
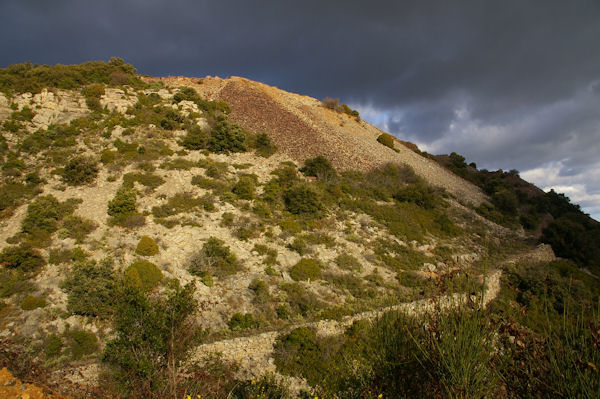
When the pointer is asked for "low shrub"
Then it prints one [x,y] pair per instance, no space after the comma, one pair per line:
[306,269]
[178,164]
[300,300]
[348,262]
[387,140]
[149,180]
[419,194]
[239,322]
[33,302]
[14,281]
[43,217]
[143,274]
[260,289]
[319,167]
[146,247]
[22,257]
[264,145]
[196,138]
[179,203]
[244,188]
[77,228]
[214,258]
[226,137]
[81,343]
[302,200]
[53,346]
[90,288]
[123,208]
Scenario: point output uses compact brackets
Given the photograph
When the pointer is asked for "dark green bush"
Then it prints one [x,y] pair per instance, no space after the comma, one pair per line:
[302,200]
[43,217]
[264,145]
[81,343]
[226,137]
[90,287]
[319,167]
[149,180]
[241,321]
[348,262]
[386,139]
[24,115]
[306,269]
[124,203]
[77,228]
[80,170]
[195,138]
[214,258]
[153,337]
[244,188]
[53,346]
[146,247]
[419,193]
[92,94]
[32,302]
[260,289]
[144,274]
[23,258]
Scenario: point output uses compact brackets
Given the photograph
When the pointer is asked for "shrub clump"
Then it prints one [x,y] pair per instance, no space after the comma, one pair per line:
[43,217]
[196,138]
[77,228]
[82,343]
[302,200]
[90,288]
[146,247]
[387,140]
[241,321]
[419,194]
[22,257]
[348,262]
[306,269]
[214,258]
[143,274]
[244,188]
[123,209]
[319,167]
[32,302]
[264,145]
[227,137]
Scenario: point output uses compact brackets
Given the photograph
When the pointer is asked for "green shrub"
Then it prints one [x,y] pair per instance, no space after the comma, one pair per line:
[53,346]
[149,180]
[92,94]
[239,322]
[244,188]
[419,194]
[319,167]
[179,203]
[264,145]
[90,288]
[146,247]
[302,200]
[153,336]
[77,228]
[58,256]
[81,343]
[195,138]
[14,281]
[32,302]
[13,166]
[260,289]
[23,258]
[295,353]
[227,137]
[348,262]
[387,140]
[124,203]
[108,156]
[306,269]
[144,274]
[24,115]
[43,217]
[214,258]
[178,164]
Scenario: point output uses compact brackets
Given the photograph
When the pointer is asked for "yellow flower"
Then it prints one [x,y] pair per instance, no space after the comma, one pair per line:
[253,382]
[380,396]
[188,397]
[198,396]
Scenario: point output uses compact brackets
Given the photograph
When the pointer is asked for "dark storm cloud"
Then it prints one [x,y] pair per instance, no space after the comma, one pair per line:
[511,84]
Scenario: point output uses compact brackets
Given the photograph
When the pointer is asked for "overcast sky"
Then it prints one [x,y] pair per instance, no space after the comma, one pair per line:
[508,84]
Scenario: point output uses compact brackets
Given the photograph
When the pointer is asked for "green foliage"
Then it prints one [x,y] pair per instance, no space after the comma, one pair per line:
[215,258]
[334,104]
[90,287]
[264,145]
[226,137]
[43,217]
[153,336]
[244,188]
[302,200]
[319,167]
[300,300]
[33,302]
[59,256]
[14,281]
[124,203]
[196,138]
[27,77]
[239,322]
[149,180]
[306,269]
[146,247]
[80,170]
[260,289]
[179,203]
[348,262]
[24,115]
[12,194]
[387,140]
[13,165]
[55,136]
[210,107]
[108,156]
[92,94]
[22,257]
[419,194]
[77,228]
[53,346]
[144,274]
[81,343]
[575,239]
[178,164]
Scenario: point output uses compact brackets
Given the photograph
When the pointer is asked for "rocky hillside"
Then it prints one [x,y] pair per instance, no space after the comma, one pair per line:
[149,223]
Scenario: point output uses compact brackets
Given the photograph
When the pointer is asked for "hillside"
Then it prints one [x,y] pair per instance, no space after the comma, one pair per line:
[217,237]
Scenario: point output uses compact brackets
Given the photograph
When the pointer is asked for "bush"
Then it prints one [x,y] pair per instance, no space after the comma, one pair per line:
[419,194]
[302,200]
[23,258]
[386,139]
[32,302]
[239,322]
[319,167]
[149,180]
[90,288]
[124,203]
[144,274]
[146,247]
[195,138]
[260,289]
[348,262]
[214,258]
[306,269]
[227,137]
[244,188]
[264,145]
[53,346]
[82,343]
[43,217]
[92,94]
[77,228]
[152,338]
